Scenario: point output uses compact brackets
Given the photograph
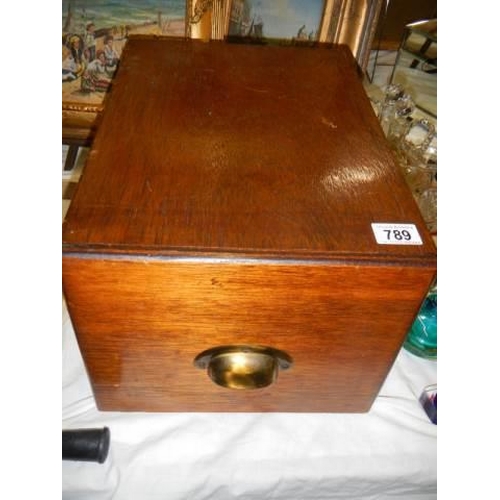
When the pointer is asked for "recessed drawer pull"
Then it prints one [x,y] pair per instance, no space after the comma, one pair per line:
[243,366]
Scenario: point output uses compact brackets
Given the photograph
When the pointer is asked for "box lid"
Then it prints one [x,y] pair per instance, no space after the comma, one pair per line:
[232,149]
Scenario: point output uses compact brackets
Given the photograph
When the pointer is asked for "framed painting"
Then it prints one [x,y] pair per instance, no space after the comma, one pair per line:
[94,33]
[352,22]
[293,20]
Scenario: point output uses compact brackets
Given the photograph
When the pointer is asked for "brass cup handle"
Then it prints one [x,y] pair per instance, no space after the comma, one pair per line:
[243,366]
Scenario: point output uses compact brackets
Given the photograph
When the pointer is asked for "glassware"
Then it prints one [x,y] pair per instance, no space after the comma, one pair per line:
[429,148]
[414,143]
[421,134]
[386,116]
[420,177]
[419,146]
[427,202]
[401,121]
[376,106]
[388,109]
[422,337]
[393,92]
[419,174]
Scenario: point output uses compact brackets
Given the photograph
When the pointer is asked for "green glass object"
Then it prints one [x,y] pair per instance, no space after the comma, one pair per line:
[422,338]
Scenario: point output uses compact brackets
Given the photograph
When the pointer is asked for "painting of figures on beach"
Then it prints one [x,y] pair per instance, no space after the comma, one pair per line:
[276,19]
[94,33]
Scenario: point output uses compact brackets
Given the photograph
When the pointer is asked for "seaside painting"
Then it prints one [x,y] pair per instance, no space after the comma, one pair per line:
[94,33]
[276,19]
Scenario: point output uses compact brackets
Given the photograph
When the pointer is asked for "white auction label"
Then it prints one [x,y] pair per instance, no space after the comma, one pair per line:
[396,234]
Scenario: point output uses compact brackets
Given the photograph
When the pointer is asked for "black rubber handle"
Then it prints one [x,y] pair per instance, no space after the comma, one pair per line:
[87,445]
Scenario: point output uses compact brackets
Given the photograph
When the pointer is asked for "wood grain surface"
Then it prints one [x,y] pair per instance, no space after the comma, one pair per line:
[222,147]
[141,323]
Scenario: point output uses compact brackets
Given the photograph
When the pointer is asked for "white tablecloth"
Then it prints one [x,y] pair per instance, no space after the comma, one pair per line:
[388,453]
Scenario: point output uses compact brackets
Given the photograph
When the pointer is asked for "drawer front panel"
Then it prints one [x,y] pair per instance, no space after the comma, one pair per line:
[141,323]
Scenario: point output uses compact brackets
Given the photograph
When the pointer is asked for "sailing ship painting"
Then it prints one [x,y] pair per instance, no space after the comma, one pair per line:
[276,19]
[94,33]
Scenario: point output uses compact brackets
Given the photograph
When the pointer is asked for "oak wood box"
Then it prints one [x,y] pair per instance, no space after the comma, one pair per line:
[228,199]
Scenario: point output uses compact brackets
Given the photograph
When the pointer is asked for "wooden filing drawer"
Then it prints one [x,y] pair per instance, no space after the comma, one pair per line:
[223,226]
